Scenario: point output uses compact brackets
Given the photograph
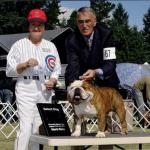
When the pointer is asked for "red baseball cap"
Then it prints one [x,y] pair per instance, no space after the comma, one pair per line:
[37,16]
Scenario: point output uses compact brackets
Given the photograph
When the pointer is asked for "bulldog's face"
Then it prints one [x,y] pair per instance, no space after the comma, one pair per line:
[77,93]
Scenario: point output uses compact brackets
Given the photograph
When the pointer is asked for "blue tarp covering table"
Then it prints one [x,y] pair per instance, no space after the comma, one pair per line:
[129,73]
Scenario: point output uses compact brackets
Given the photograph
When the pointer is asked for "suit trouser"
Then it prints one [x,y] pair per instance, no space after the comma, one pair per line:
[28,94]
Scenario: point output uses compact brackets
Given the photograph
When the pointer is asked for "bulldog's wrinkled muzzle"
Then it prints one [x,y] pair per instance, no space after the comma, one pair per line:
[77,94]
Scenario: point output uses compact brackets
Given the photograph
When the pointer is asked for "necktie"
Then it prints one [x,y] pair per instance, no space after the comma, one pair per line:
[89,43]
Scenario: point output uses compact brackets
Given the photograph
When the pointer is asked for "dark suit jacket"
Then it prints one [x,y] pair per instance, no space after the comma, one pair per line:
[80,58]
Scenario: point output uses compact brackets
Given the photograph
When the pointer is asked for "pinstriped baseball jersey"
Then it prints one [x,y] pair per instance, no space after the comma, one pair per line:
[45,53]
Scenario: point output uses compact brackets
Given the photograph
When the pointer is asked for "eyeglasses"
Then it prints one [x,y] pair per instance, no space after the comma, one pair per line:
[37,25]
[86,21]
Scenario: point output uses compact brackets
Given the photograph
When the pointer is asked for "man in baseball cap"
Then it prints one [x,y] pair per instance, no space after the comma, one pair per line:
[37,16]
[37,19]
[36,62]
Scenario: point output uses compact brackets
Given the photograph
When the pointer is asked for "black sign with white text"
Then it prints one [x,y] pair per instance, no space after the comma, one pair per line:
[54,119]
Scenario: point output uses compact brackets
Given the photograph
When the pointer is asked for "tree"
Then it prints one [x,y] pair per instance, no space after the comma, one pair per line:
[102,9]
[72,21]
[146,29]
[63,23]
[8,6]
[119,24]
[146,52]
[13,14]
[10,20]
[23,7]
[146,34]
[52,11]
[12,23]
[136,46]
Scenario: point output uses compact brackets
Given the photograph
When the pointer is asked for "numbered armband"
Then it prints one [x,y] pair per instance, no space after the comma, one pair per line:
[109,53]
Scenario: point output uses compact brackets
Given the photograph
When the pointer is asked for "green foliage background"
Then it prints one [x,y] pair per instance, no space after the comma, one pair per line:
[133,45]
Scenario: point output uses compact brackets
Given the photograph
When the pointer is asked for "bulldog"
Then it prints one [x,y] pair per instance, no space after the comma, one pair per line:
[89,101]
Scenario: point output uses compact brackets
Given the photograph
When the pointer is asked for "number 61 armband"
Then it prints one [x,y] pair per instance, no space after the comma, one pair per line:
[109,53]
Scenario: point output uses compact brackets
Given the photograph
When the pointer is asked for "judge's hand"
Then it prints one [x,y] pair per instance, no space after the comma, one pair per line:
[88,75]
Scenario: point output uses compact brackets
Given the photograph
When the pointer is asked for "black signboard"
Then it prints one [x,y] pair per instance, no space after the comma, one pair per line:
[54,119]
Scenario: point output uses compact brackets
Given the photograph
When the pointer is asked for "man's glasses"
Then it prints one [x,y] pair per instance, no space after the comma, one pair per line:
[86,21]
[37,25]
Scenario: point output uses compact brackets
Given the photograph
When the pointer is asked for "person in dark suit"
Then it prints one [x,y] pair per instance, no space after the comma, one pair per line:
[91,52]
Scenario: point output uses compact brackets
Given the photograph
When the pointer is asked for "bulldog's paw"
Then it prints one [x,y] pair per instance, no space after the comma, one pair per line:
[76,133]
[100,134]
[124,131]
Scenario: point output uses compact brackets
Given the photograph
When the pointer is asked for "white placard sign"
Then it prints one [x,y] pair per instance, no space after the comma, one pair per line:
[109,53]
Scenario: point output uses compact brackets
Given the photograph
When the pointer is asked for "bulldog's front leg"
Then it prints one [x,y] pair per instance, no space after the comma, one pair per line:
[77,129]
[101,125]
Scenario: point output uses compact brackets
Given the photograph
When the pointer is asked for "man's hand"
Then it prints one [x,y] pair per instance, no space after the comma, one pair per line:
[32,62]
[23,66]
[88,75]
[50,83]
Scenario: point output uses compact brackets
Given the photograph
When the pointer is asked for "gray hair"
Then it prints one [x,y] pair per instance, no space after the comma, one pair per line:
[86,9]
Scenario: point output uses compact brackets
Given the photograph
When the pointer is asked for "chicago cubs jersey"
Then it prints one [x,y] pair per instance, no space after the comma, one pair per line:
[45,53]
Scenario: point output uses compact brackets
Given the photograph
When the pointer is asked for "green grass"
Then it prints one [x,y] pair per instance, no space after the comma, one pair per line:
[8,144]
